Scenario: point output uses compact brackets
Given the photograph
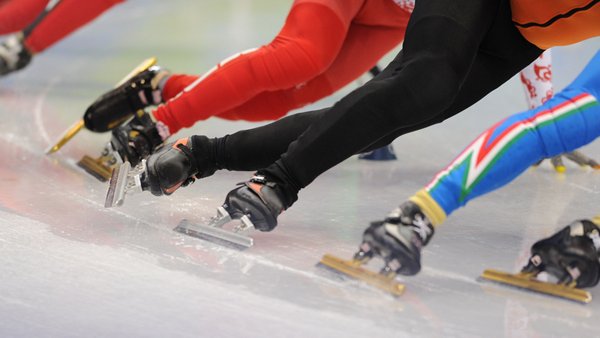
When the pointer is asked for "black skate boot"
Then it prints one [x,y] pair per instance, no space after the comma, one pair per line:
[170,167]
[258,199]
[137,139]
[570,255]
[130,142]
[398,240]
[13,55]
[256,204]
[119,104]
[178,164]
[568,259]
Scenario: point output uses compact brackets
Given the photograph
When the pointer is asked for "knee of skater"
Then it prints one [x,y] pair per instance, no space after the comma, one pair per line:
[431,86]
[315,56]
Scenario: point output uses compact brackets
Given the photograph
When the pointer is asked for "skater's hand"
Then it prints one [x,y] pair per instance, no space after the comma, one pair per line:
[575,156]
[570,255]
[170,167]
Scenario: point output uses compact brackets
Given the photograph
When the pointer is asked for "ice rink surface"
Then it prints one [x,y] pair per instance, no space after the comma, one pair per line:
[70,268]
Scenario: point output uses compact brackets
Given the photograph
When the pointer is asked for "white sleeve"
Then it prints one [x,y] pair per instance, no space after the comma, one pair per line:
[537,80]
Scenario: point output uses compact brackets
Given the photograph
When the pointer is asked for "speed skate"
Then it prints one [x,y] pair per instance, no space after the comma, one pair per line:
[354,269]
[126,180]
[102,166]
[529,281]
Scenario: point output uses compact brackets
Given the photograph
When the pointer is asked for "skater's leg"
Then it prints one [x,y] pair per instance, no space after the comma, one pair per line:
[567,121]
[564,123]
[66,17]
[425,81]
[170,166]
[256,148]
[15,15]
[363,47]
[299,53]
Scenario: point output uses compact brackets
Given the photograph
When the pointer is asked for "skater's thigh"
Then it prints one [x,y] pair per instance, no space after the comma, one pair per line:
[488,72]
[438,20]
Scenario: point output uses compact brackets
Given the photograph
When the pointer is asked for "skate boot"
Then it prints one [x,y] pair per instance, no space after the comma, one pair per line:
[568,260]
[106,114]
[137,139]
[398,240]
[570,255]
[258,199]
[13,55]
[130,142]
[256,203]
[169,168]
[385,153]
[119,104]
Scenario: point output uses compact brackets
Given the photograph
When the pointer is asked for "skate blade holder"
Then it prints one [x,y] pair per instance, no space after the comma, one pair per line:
[214,231]
[124,180]
[529,282]
[354,269]
[101,167]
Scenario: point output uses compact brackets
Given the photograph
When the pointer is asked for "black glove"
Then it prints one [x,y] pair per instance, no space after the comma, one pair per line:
[178,164]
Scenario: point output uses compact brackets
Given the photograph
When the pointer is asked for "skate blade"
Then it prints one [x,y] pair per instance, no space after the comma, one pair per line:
[66,137]
[124,180]
[149,62]
[101,167]
[356,271]
[116,188]
[524,281]
[213,231]
[96,167]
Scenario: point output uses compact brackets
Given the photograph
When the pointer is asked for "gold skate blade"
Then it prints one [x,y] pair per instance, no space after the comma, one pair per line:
[96,168]
[528,282]
[149,62]
[354,270]
[66,137]
[77,126]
